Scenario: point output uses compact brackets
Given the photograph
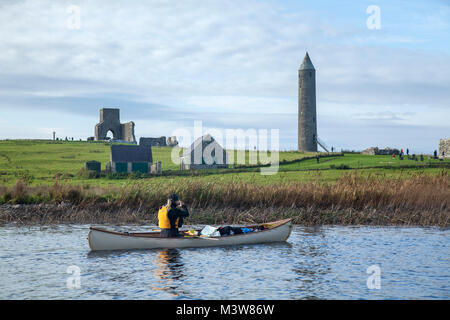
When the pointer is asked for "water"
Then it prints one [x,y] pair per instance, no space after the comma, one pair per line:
[315,263]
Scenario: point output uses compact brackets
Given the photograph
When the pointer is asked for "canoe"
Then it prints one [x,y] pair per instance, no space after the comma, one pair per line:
[101,239]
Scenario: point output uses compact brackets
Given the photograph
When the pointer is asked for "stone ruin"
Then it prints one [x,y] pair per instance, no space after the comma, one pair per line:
[124,132]
[153,142]
[444,148]
[110,121]
[204,153]
[159,142]
[172,141]
[376,151]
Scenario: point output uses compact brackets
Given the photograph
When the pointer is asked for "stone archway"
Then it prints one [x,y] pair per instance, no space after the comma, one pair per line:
[110,121]
[110,135]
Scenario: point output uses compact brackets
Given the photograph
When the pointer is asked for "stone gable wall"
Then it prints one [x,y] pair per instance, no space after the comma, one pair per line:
[444,147]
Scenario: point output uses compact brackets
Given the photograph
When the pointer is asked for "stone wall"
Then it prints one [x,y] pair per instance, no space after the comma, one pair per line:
[128,132]
[376,151]
[172,141]
[153,142]
[444,147]
[110,121]
[156,168]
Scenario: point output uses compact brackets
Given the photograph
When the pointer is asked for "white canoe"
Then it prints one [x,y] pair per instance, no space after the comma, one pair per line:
[101,239]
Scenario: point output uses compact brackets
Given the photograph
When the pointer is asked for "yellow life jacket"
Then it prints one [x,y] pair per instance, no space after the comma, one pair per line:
[163,218]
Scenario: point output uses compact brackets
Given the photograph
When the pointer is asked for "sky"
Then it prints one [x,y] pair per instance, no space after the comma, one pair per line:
[230,64]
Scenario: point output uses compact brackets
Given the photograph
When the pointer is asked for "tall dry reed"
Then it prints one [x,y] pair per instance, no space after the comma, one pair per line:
[420,199]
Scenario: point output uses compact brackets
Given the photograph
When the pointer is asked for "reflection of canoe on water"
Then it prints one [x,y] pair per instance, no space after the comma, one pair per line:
[101,239]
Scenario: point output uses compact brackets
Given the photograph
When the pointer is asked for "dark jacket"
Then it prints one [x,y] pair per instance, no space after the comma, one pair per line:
[173,214]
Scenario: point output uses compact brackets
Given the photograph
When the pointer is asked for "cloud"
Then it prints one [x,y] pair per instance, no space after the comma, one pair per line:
[230,63]
[383,116]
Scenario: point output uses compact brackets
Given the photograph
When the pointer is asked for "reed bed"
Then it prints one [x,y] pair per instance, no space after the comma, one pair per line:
[417,200]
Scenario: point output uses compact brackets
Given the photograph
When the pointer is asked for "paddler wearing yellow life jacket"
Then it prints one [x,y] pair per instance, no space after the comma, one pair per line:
[170,216]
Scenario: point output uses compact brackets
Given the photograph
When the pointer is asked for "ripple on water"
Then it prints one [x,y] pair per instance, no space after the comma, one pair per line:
[315,263]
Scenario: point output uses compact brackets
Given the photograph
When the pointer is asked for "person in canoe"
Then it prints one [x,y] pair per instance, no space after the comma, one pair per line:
[170,216]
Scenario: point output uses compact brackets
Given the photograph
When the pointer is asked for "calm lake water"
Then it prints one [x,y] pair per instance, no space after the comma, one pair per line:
[315,263]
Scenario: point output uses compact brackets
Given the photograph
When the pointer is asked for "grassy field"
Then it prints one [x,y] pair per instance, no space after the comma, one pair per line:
[42,162]
[345,188]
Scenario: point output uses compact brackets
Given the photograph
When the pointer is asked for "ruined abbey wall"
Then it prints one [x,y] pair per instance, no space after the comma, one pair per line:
[444,147]
[161,142]
[110,121]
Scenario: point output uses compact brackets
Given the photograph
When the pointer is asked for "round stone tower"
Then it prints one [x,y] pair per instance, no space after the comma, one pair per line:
[307,117]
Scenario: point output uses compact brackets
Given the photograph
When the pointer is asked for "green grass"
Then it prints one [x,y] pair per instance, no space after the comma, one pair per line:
[420,199]
[344,189]
[43,161]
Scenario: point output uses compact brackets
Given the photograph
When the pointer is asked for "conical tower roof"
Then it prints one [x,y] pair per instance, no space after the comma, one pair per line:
[307,64]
